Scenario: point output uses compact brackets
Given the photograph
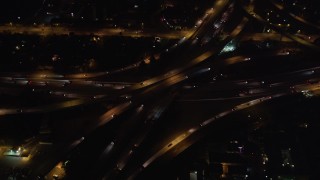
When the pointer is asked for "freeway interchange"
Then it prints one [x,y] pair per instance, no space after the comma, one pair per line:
[122,140]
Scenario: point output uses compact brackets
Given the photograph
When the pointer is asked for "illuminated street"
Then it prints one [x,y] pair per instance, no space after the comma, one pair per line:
[159,89]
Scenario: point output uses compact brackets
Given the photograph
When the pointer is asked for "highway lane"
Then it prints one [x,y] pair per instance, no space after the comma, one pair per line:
[43,30]
[244,88]
[117,146]
[150,119]
[109,150]
[124,133]
[297,18]
[41,76]
[258,18]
